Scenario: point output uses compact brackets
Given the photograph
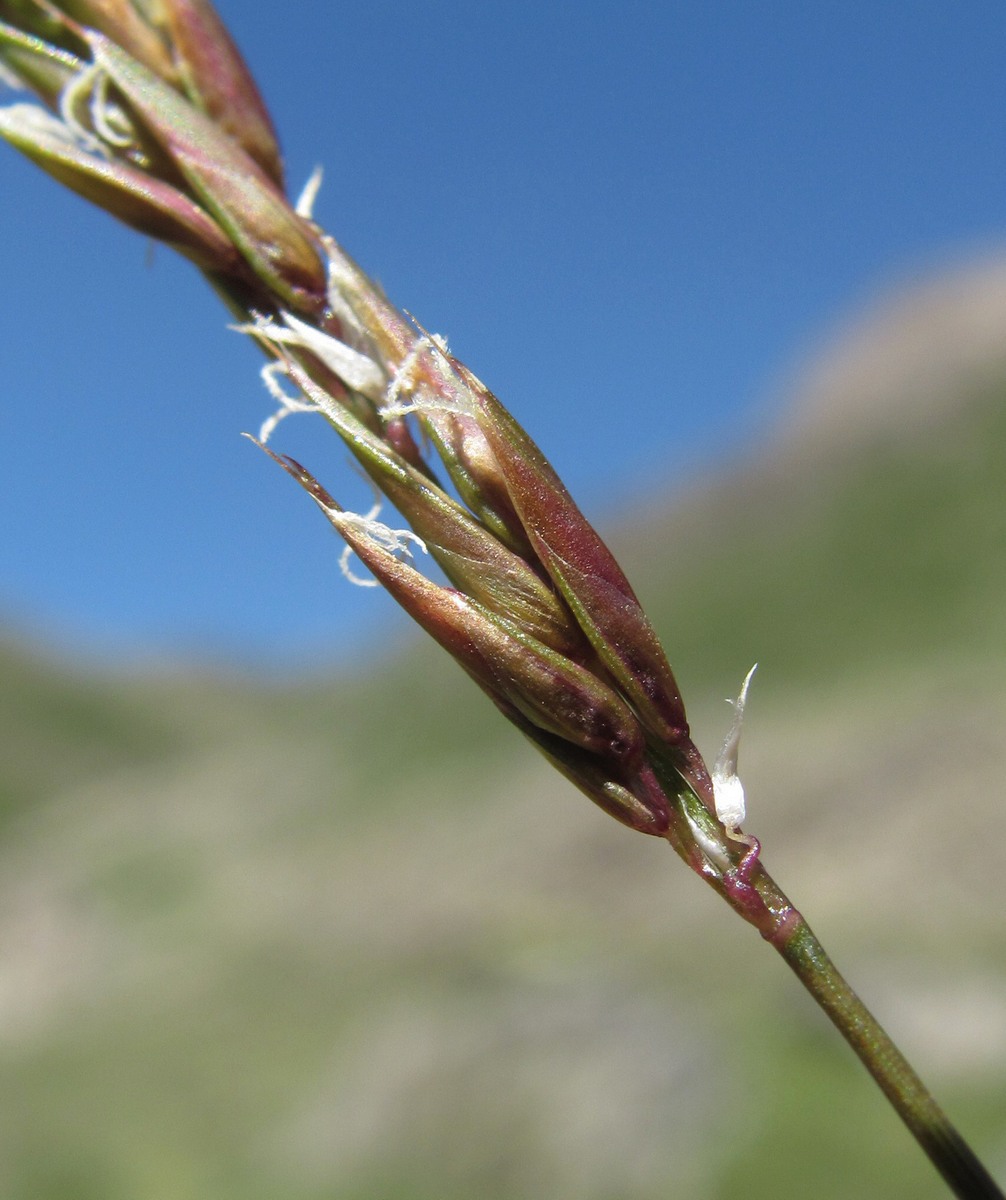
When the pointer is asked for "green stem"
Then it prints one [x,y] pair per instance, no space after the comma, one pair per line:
[731,864]
[756,895]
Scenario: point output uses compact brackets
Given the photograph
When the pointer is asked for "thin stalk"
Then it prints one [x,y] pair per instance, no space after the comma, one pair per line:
[783,926]
[732,866]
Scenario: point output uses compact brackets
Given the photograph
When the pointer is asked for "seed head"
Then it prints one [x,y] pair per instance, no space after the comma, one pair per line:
[148,110]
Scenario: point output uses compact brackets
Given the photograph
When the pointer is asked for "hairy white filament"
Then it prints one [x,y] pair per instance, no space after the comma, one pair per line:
[423,400]
[402,382]
[288,404]
[395,541]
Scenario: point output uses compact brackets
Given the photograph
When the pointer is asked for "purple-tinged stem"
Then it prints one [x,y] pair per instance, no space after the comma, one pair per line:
[753,892]
[732,866]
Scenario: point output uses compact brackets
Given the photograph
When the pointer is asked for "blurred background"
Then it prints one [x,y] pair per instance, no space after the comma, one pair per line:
[285,910]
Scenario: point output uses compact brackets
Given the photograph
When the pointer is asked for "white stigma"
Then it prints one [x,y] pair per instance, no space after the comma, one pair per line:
[395,541]
[271,374]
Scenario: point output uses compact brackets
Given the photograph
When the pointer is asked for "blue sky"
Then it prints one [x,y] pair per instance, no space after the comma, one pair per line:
[629,219]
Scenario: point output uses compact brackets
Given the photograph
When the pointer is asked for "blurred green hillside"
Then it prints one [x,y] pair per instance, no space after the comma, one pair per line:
[350,940]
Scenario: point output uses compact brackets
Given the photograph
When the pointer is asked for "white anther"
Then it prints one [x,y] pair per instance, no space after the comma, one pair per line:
[309,193]
[32,121]
[345,285]
[48,131]
[358,372]
[350,321]
[728,791]
[342,279]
